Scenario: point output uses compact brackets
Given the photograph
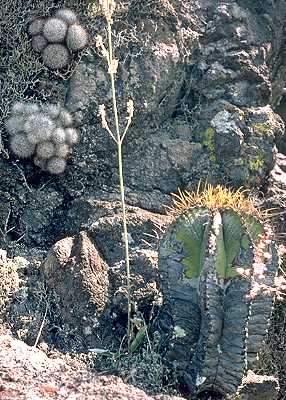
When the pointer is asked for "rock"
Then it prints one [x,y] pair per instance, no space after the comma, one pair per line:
[87,272]
[155,94]
[9,279]
[27,372]
[259,387]
[78,275]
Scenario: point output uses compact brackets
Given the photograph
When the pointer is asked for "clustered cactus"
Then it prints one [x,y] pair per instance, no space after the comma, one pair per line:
[57,37]
[218,263]
[43,133]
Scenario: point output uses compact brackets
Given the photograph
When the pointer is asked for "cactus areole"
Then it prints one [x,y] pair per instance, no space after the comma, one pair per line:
[218,262]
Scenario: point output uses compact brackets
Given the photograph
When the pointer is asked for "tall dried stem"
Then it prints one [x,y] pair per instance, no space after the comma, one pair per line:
[108,7]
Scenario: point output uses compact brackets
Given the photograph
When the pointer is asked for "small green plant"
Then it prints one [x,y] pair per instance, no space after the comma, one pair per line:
[108,7]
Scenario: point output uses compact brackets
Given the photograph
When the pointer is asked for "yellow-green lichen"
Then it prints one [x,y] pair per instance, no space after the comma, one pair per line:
[256,163]
[208,142]
[261,127]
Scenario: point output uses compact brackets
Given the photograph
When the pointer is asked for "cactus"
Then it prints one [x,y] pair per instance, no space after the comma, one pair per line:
[53,110]
[71,136]
[19,108]
[40,133]
[67,15]
[55,30]
[56,56]
[58,136]
[14,124]
[56,37]
[21,146]
[62,150]
[218,263]
[39,43]
[76,37]
[39,128]
[66,119]
[36,26]
[56,165]
[45,150]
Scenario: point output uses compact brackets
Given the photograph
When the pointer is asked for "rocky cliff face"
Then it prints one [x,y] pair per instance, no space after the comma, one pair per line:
[206,78]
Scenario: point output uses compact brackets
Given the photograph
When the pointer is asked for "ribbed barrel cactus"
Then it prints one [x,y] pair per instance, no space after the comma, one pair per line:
[218,263]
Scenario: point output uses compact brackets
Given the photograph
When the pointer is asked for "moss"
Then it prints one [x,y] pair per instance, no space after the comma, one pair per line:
[208,142]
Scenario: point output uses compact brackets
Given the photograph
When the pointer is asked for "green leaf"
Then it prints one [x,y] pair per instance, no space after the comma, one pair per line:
[139,338]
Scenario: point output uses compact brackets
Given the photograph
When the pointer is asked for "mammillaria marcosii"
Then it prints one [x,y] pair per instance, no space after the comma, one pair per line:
[55,30]
[218,263]
[67,15]
[56,56]
[57,37]
[39,133]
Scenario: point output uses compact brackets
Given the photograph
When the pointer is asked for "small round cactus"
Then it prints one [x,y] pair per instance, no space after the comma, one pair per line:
[56,165]
[66,119]
[71,136]
[67,15]
[53,110]
[14,124]
[39,43]
[18,108]
[39,128]
[45,150]
[58,136]
[57,37]
[31,108]
[21,146]
[40,133]
[36,26]
[62,150]
[55,30]
[77,37]
[56,56]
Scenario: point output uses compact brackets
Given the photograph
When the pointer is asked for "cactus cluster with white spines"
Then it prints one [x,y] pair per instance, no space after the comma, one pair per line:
[57,37]
[44,134]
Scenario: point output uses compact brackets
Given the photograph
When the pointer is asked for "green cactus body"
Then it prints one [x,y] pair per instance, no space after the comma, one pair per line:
[212,262]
